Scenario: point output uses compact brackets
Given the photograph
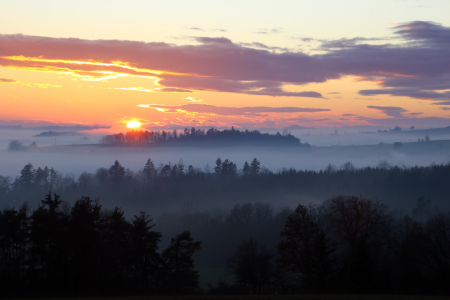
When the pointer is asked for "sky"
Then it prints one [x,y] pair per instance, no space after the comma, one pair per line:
[248,64]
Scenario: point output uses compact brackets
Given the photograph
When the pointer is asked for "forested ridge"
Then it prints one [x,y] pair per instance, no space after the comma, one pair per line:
[225,182]
[188,136]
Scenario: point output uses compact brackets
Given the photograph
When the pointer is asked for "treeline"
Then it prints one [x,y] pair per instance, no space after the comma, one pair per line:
[62,250]
[232,136]
[347,244]
[224,182]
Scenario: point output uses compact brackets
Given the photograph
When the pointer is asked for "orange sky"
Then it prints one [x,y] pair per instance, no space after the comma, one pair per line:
[217,81]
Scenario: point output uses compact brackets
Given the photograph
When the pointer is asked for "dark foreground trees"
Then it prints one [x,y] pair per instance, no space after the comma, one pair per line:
[347,244]
[351,244]
[59,250]
[252,267]
[179,270]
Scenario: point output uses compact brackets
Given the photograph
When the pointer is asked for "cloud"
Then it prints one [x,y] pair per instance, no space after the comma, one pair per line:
[267,88]
[230,111]
[269,31]
[263,46]
[269,123]
[218,40]
[424,31]
[417,65]
[346,43]
[156,90]
[442,103]
[413,93]
[389,110]
[347,115]
[3,80]
[444,108]
[301,119]
[407,122]
[194,99]
[195,28]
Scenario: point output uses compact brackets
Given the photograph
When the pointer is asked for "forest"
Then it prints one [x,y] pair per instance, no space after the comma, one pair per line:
[347,244]
[188,136]
[371,230]
[225,184]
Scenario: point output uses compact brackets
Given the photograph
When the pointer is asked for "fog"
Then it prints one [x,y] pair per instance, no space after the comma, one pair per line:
[72,154]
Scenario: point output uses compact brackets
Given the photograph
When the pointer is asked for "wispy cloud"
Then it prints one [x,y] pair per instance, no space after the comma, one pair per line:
[11,81]
[269,30]
[156,90]
[390,111]
[194,99]
[195,28]
[230,111]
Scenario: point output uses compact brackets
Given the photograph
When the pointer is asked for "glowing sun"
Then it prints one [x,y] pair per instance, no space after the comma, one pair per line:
[133,124]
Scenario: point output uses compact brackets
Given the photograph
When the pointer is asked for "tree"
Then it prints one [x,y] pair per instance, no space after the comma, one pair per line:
[422,209]
[14,235]
[145,260]
[16,146]
[305,251]
[218,167]
[149,171]
[181,275]
[26,178]
[50,248]
[115,263]
[117,174]
[363,227]
[246,169]
[84,230]
[437,230]
[251,266]
[228,168]
[255,167]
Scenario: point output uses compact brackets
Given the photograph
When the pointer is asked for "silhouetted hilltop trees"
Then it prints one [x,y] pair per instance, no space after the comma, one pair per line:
[52,133]
[232,136]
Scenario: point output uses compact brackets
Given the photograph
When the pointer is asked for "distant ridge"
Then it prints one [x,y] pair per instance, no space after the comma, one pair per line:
[55,133]
[200,136]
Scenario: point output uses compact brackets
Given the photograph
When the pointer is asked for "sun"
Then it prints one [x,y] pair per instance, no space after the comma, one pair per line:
[133,124]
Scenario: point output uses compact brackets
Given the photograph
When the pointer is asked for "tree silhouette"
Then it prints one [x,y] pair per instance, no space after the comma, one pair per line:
[149,171]
[49,243]
[26,178]
[363,226]
[305,251]
[251,266]
[255,167]
[117,174]
[145,260]
[181,275]
[246,169]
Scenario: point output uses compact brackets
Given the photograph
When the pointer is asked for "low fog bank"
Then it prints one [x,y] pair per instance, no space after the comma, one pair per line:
[78,159]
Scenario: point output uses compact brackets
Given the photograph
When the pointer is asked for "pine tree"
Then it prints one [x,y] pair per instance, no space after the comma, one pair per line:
[255,167]
[149,171]
[181,275]
[246,169]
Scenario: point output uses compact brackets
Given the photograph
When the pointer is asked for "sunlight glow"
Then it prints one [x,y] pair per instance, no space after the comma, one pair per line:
[133,124]
[121,68]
